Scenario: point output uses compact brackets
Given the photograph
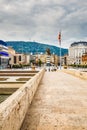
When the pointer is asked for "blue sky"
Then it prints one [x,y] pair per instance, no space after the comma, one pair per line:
[41,20]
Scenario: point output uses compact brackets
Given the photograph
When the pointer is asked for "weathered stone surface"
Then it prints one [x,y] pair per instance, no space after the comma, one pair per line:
[60,103]
[77,73]
[13,110]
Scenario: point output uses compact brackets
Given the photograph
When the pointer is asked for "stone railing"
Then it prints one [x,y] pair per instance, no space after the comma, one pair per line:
[13,110]
[77,73]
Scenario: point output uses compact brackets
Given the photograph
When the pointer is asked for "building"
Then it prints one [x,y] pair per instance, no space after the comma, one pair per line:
[42,57]
[76,50]
[84,59]
[27,58]
[47,59]
[65,60]
[4,55]
[11,52]
[17,58]
[22,59]
[56,60]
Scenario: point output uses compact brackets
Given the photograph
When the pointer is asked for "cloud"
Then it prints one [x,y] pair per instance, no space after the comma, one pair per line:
[41,20]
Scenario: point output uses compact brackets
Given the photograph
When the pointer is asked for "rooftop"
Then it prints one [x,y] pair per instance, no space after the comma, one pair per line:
[79,43]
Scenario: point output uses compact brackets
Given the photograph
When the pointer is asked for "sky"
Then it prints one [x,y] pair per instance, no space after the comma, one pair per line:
[42,20]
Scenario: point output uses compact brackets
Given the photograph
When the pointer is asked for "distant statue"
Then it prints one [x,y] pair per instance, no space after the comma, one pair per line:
[48,58]
[48,51]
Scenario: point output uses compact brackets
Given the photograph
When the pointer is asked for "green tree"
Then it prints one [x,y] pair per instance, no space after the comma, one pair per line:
[39,62]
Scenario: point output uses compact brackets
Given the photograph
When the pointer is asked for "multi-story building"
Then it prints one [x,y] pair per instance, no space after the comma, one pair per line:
[42,57]
[11,52]
[76,50]
[17,58]
[47,59]
[65,60]
[56,60]
[84,59]
[4,55]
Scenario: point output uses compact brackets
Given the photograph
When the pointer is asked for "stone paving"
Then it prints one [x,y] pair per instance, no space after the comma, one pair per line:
[60,103]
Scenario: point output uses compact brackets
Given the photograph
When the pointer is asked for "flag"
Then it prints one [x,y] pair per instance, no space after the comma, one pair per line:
[59,37]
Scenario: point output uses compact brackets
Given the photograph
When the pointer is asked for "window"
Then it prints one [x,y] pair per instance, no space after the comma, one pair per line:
[19,58]
[15,59]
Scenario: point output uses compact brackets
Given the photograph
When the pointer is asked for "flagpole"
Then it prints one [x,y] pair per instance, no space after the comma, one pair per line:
[60,53]
[59,38]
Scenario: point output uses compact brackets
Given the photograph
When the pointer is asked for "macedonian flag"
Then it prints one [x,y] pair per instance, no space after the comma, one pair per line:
[59,37]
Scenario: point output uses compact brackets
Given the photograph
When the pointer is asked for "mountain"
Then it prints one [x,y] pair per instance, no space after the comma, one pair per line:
[2,43]
[35,47]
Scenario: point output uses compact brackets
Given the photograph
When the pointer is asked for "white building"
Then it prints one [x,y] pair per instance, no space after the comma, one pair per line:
[4,55]
[76,50]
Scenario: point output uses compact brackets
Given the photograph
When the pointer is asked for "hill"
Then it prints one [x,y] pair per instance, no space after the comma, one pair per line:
[34,47]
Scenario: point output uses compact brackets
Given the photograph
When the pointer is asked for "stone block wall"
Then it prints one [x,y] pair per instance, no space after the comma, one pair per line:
[13,110]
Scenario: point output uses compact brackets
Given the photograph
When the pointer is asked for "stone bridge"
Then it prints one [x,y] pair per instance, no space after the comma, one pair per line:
[60,103]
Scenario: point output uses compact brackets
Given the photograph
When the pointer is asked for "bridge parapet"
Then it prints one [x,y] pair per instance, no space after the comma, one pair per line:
[13,110]
[77,73]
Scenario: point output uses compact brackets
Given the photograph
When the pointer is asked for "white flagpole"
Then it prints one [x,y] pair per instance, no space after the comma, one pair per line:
[60,53]
[59,38]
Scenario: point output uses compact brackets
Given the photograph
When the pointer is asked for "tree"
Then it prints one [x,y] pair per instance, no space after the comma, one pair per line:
[39,62]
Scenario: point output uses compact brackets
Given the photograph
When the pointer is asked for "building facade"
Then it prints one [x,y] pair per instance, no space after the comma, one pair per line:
[11,52]
[48,59]
[76,50]
[84,59]
[4,55]
[17,58]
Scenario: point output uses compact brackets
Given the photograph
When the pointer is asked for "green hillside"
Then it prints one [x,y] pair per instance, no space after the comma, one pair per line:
[34,47]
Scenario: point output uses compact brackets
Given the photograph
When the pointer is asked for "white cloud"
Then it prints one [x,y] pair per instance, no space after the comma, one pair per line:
[41,20]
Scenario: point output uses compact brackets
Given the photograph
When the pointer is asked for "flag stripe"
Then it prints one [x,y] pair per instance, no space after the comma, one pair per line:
[59,37]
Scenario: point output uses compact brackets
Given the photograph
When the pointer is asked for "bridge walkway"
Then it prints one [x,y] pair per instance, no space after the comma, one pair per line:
[60,103]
